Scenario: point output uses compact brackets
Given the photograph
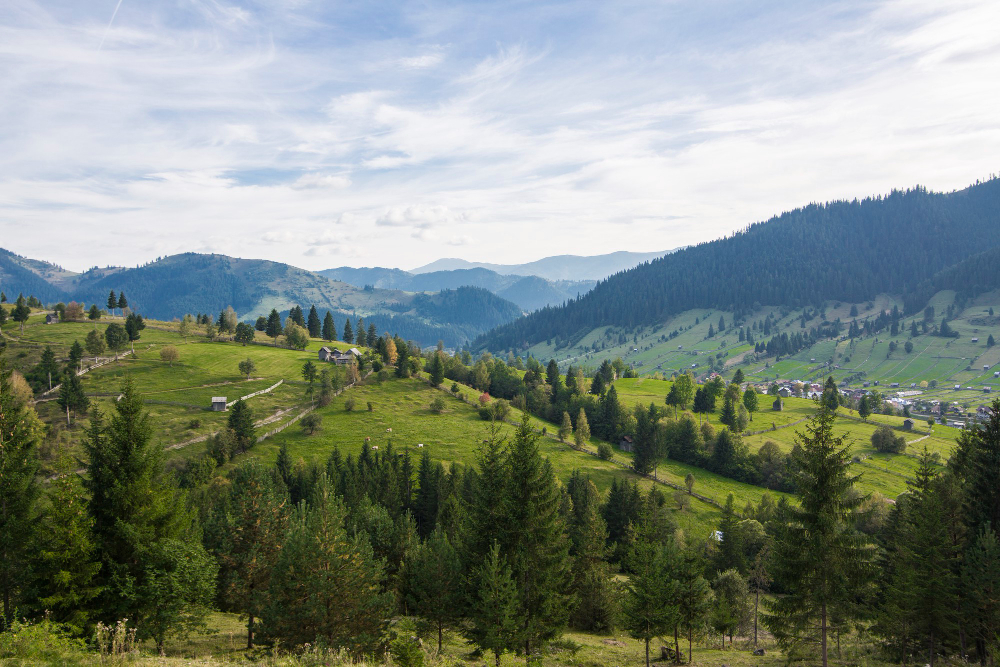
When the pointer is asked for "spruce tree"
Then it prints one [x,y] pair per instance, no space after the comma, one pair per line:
[864,409]
[47,367]
[241,423]
[252,531]
[494,606]
[66,566]
[74,362]
[112,302]
[823,562]
[274,328]
[122,302]
[348,332]
[313,323]
[651,607]
[329,328]
[71,395]
[434,583]
[535,541]
[18,494]
[597,599]
[116,338]
[360,338]
[94,313]
[372,336]
[436,369]
[427,502]
[326,585]
[694,594]
[981,581]
[20,312]
[154,571]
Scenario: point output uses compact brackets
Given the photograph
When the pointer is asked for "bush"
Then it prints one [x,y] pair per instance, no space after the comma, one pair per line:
[885,440]
[349,404]
[605,452]
[437,405]
[41,643]
[194,423]
[454,388]
[311,423]
[371,407]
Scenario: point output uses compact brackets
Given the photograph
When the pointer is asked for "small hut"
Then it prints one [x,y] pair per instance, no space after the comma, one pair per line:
[907,424]
[777,405]
[626,443]
[218,404]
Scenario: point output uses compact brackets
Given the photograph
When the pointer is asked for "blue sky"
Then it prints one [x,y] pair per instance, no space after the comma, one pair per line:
[376,133]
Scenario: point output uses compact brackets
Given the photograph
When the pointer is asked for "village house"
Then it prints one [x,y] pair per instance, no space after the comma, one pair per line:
[52,318]
[339,357]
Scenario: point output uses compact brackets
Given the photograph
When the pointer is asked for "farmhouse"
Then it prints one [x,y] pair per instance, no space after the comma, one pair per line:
[784,392]
[52,318]
[338,356]
[218,404]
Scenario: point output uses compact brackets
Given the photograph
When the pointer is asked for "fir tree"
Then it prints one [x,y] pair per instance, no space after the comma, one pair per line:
[47,366]
[494,607]
[112,302]
[372,336]
[74,362]
[116,338]
[650,606]
[94,343]
[326,585]
[348,332]
[329,328]
[66,568]
[71,395]
[864,408]
[434,583]
[252,532]
[274,328]
[313,323]
[240,422]
[18,494]
[20,312]
[360,337]
[427,502]
[823,562]
[535,540]
[981,580]
[694,595]
[731,612]
[552,378]
[94,313]
[153,570]
[597,600]
[436,369]
[122,302]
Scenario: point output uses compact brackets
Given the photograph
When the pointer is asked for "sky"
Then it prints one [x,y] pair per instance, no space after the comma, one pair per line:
[328,133]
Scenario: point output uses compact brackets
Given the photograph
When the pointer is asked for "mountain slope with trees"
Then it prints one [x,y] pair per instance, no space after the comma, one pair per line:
[842,250]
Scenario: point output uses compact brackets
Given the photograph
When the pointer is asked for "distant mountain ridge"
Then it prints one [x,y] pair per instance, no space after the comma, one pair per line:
[558,267]
[196,283]
[528,292]
[844,250]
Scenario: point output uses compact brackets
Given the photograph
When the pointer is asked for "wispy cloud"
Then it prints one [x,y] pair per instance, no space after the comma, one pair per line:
[309,133]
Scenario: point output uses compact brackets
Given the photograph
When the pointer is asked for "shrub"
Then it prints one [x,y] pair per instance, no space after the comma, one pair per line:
[194,423]
[349,404]
[44,642]
[311,423]
[885,440]
[605,452]
[437,405]
[371,407]
[454,388]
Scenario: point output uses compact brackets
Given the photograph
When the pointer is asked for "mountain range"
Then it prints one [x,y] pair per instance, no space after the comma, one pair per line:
[905,243]
[529,292]
[195,283]
[558,267]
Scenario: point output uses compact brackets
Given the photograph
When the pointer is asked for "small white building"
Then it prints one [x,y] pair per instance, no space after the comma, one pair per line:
[218,404]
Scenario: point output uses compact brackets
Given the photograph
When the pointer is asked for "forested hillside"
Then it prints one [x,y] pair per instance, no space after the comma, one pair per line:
[969,278]
[847,251]
[194,283]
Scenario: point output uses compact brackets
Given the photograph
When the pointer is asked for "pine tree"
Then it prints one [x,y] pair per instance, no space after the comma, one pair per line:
[116,338]
[535,540]
[94,313]
[66,567]
[864,409]
[348,332]
[74,362]
[597,599]
[122,302]
[252,531]
[326,585]
[134,324]
[981,581]
[154,571]
[694,594]
[552,378]
[313,323]
[731,612]
[94,343]
[822,561]
[434,583]
[738,377]
[18,494]
[329,328]
[112,302]
[372,335]
[728,414]
[494,623]
[428,497]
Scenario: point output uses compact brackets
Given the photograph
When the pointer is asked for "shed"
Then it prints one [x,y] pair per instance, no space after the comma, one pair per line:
[324,353]
[626,443]
[975,340]
[784,392]
[52,318]
[218,404]
[908,424]
[777,405]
